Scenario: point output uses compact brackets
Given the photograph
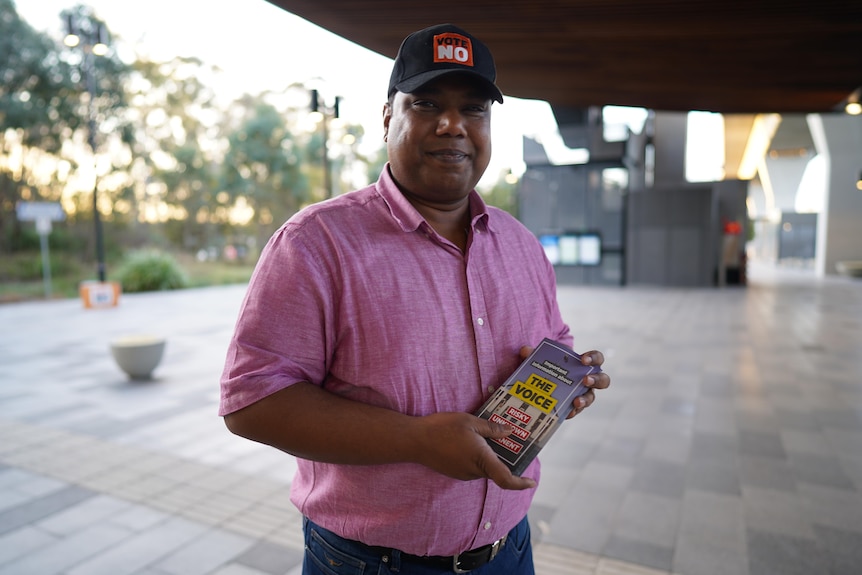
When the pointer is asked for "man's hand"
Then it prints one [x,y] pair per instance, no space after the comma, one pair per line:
[600,380]
[309,422]
[454,445]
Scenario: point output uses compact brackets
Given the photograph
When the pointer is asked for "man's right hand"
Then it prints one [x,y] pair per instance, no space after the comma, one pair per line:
[454,444]
[309,422]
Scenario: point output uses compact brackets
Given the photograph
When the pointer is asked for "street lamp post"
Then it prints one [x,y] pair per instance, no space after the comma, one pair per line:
[90,36]
[319,108]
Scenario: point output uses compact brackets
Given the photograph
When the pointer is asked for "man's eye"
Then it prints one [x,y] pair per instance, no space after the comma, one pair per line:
[476,110]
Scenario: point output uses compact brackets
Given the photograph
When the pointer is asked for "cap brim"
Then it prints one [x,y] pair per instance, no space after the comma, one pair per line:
[410,85]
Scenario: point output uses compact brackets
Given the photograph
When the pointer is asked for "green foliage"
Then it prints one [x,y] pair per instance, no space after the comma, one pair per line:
[44,105]
[263,164]
[211,273]
[375,164]
[149,270]
[502,195]
[34,93]
[27,239]
[177,169]
[27,266]
[174,146]
[34,86]
[107,79]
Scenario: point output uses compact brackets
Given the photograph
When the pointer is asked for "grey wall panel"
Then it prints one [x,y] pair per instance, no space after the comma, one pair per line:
[650,261]
[560,199]
[670,237]
[686,261]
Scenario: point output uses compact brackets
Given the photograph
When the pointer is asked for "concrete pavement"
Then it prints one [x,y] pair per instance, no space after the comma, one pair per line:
[730,442]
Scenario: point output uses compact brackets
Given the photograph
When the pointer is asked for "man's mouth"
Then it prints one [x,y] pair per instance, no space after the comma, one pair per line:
[449,155]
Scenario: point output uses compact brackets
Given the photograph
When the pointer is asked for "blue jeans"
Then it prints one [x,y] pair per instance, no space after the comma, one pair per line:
[328,554]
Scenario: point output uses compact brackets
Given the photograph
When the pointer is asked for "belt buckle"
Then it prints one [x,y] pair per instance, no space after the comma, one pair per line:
[493,550]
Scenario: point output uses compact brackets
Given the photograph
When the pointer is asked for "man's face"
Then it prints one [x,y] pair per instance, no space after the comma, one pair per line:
[439,139]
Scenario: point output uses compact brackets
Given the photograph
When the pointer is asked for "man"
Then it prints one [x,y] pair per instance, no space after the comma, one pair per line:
[377,322]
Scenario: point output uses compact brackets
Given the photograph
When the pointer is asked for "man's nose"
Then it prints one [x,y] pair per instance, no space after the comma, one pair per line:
[451,123]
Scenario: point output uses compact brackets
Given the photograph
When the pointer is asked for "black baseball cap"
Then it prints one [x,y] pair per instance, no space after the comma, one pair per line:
[438,50]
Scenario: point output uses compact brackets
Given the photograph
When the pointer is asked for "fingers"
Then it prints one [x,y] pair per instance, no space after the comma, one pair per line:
[497,472]
[493,468]
[597,380]
[460,449]
[581,403]
[593,357]
[494,430]
[584,401]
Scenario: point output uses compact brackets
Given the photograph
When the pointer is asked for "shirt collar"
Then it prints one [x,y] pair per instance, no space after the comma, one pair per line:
[409,219]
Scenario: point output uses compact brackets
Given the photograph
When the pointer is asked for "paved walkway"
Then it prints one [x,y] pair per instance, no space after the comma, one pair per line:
[730,442]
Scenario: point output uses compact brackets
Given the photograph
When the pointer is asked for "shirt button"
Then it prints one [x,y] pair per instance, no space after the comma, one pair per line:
[480,321]
[487,525]
[491,389]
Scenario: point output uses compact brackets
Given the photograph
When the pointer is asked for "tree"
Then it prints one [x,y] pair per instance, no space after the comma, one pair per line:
[375,163]
[502,194]
[101,104]
[274,163]
[168,153]
[177,150]
[263,165]
[35,112]
[345,159]
[44,108]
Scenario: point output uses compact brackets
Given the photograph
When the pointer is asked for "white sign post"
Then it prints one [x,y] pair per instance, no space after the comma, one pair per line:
[43,213]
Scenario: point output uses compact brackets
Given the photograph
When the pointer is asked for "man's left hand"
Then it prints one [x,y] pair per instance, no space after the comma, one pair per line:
[594,381]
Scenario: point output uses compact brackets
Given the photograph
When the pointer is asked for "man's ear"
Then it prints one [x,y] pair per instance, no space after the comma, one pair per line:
[387,115]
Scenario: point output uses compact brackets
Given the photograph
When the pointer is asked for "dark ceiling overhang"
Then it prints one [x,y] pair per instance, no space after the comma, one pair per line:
[748,56]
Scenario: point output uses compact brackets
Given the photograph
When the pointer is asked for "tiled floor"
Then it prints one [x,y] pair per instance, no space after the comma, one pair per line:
[730,442]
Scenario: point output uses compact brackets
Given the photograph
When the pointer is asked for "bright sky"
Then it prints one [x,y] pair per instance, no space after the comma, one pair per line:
[259,46]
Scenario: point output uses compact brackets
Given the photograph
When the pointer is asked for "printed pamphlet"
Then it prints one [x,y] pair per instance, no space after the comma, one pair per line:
[534,401]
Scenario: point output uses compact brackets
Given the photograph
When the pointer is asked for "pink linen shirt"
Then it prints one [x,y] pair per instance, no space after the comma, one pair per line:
[359,295]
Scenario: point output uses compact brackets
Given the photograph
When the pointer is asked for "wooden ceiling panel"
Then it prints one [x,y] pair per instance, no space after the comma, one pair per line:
[723,56]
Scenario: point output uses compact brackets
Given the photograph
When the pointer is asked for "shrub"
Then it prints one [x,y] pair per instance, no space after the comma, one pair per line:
[27,266]
[151,271]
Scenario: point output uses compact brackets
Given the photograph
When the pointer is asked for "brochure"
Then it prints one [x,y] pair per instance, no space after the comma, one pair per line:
[534,401]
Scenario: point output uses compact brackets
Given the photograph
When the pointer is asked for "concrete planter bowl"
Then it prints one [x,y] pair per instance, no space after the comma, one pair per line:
[850,268]
[138,355]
